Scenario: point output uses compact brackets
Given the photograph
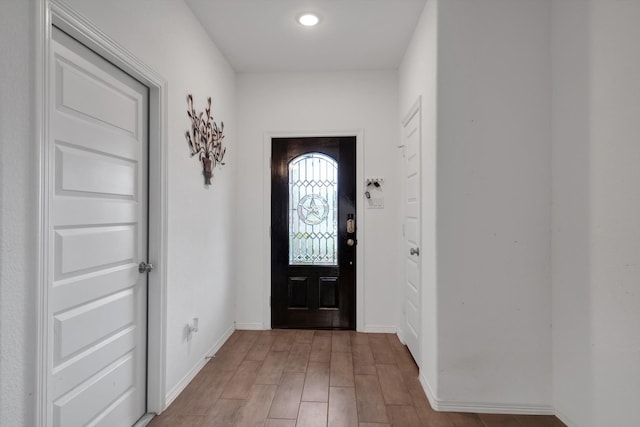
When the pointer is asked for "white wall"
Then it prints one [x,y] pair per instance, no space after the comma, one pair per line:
[596,212]
[18,221]
[573,382]
[493,205]
[316,102]
[418,78]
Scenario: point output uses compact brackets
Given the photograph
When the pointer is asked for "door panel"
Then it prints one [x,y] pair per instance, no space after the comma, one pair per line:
[98,233]
[312,264]
[79,93]
[79,407]
[88,172]
[412,291]
[89,249]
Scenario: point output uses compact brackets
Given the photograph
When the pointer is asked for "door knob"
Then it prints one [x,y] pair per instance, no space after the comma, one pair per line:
[144,267]
[414,251]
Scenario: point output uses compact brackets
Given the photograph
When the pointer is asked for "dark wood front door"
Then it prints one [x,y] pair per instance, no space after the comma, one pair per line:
[313,240]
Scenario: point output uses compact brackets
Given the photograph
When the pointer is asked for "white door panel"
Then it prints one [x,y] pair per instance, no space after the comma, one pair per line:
[90,248]
[91,172]
[98,233]
[412,288]
[91,211]
[76,290]
[94,396]
[76,329]
[413,276]
[73,131]
[75,371]
[91,95]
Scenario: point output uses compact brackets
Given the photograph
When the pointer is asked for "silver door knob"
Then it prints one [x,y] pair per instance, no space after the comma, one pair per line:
[144,267]
[414,251]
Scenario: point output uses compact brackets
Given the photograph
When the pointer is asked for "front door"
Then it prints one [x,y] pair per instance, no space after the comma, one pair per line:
[96,296]
[313,235]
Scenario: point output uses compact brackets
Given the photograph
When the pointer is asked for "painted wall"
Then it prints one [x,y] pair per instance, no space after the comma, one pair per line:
[596,212]
[418,78]
[493,205]
[309,102]
[167,36]
[18,221]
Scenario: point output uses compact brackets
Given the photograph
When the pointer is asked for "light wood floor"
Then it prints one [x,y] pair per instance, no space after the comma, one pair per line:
[317,378]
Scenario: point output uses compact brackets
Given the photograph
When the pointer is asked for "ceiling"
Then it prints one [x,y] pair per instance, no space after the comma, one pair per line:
[263,35]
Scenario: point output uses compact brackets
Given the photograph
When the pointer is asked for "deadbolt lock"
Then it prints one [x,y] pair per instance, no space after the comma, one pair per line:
[351,224]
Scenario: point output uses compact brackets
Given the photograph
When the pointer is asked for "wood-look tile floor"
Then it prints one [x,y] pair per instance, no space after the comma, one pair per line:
[289,378]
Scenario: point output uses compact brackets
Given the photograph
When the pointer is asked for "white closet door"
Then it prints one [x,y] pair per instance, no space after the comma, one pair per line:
[97,299]
[412,285]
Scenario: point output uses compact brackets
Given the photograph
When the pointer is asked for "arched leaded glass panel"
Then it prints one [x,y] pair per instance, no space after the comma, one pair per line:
[313,210]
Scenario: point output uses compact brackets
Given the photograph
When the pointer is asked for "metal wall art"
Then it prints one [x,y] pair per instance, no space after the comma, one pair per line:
[205,139]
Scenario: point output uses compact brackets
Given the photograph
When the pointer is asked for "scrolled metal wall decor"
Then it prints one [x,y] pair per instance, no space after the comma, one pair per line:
[205,139]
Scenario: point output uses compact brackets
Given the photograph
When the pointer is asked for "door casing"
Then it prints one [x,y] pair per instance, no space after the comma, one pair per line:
[53,12]
[360,214]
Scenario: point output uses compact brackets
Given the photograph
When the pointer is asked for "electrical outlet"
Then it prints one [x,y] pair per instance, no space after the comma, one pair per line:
[193,327]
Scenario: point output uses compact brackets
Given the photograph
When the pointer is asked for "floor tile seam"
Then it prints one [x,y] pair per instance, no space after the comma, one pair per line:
[223,388]
[367,375]
[306,374]
[290,388]
[383,402]
[315,401]
[356,402]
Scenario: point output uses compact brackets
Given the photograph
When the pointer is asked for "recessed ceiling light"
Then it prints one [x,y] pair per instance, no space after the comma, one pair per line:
[308,19]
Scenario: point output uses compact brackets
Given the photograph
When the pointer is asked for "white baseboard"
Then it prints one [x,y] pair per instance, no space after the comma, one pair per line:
[493,408]
[431,397]
[184,382]
[144,421]
[372,329]
[482,407]
[377,329]
[250,326]
[562,417]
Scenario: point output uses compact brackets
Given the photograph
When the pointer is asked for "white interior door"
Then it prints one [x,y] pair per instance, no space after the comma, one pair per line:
[98,198]
[412,291]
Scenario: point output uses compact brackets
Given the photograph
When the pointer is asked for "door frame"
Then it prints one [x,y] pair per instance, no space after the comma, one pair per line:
[266,215]
[58,13]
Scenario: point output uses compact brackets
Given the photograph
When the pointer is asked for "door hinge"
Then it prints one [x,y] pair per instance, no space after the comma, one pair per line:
[269,231]
[269,300]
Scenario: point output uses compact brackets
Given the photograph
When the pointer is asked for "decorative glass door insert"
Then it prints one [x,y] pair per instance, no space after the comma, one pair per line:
[313,210]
